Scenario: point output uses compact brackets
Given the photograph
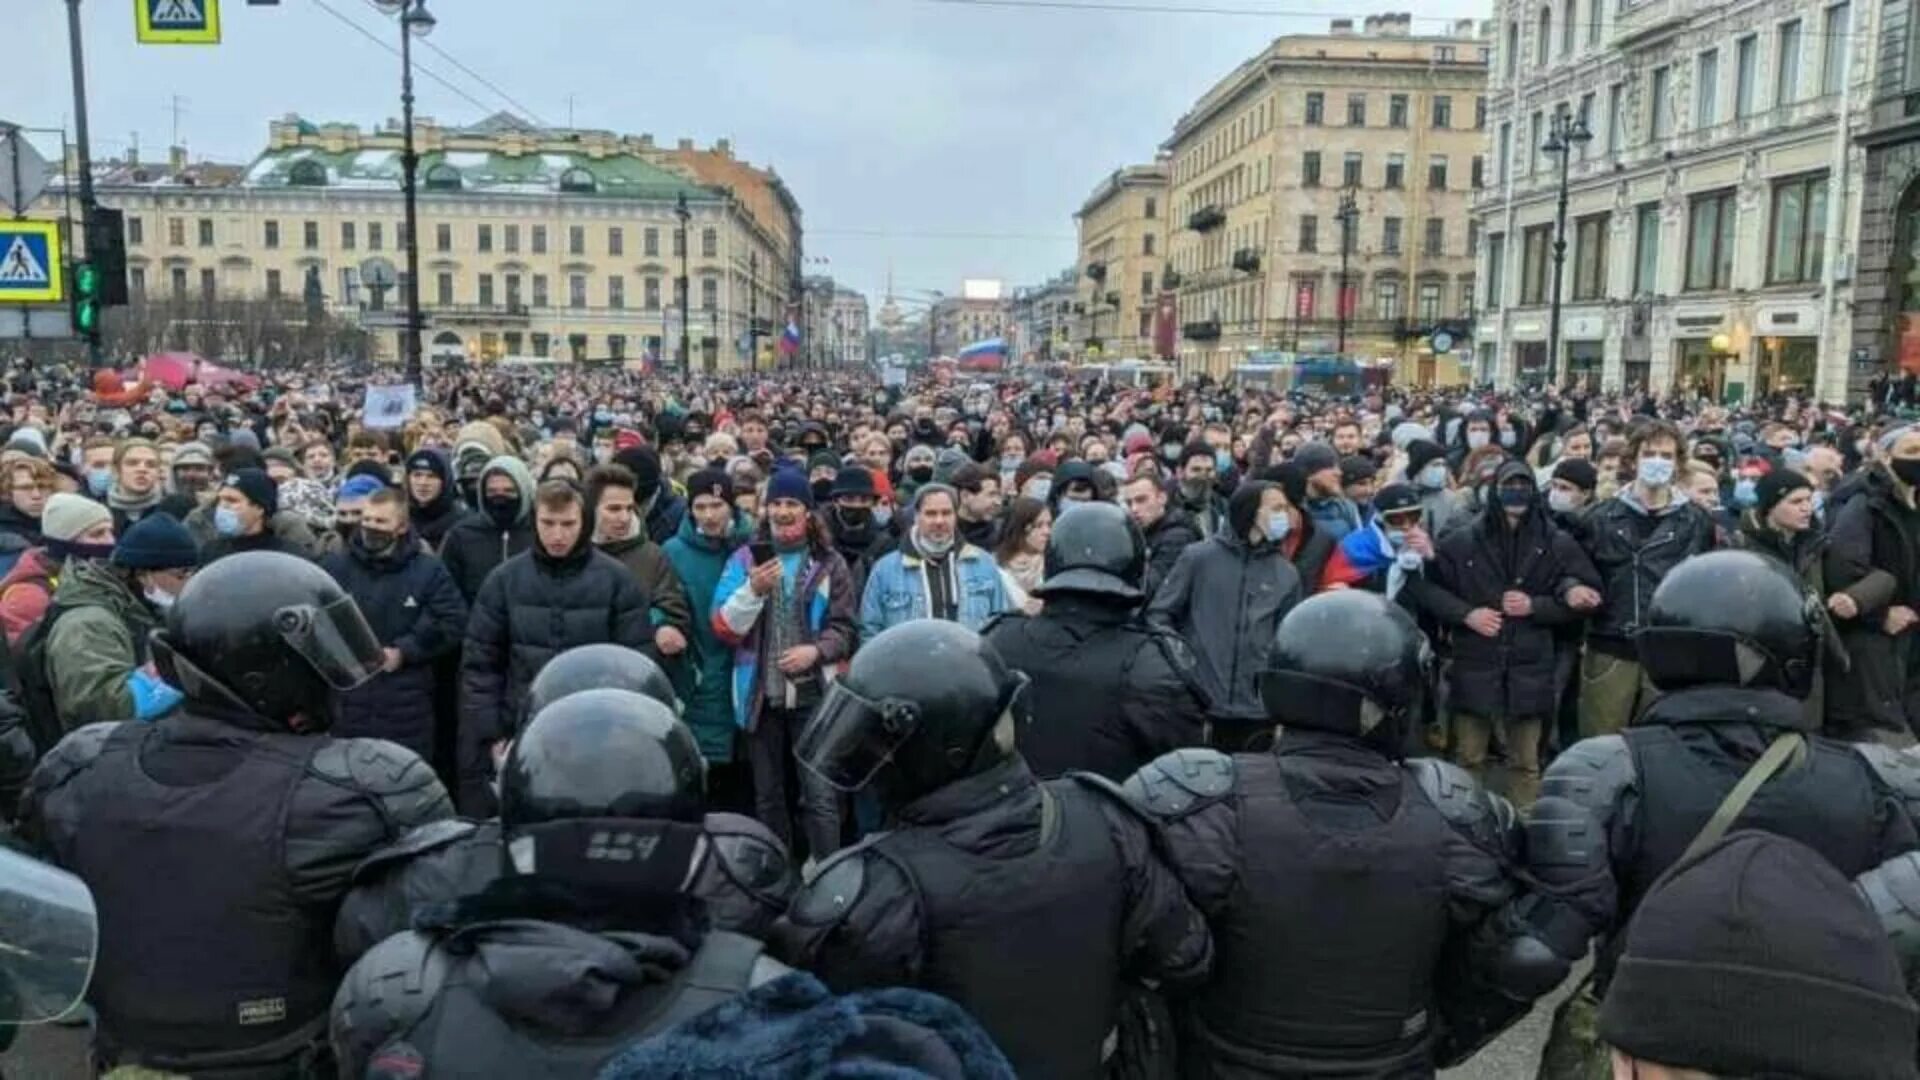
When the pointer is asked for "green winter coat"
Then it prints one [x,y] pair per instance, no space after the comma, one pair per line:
[705,681]
[99,638]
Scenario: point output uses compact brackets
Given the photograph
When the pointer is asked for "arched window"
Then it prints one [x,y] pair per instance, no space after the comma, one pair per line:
[1513,47]
[1543,36]
[1567,26]
[307,174]
[443,177]
[577,180]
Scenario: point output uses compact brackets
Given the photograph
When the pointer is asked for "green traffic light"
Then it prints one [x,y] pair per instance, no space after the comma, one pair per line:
[86,280]
[86,299]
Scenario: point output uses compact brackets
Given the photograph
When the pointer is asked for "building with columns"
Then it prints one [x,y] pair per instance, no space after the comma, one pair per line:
[1258,172]
[1886,291]
[1123,249]
[1044,321]
[1711,217]
[546,244]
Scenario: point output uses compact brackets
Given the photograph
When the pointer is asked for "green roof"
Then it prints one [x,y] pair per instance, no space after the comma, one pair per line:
[486,172]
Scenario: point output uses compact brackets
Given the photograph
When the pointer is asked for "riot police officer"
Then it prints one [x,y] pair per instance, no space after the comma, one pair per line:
[1027,903]
[218,839]
[745,876]
[587,940]
[1732,644]
[1108,693]
[1362,906]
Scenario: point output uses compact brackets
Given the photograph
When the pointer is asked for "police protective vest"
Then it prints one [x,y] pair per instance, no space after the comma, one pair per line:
[1076,670]
[1827,802]
[1029,946]
[175,985]
[1325,953]
[463,1034]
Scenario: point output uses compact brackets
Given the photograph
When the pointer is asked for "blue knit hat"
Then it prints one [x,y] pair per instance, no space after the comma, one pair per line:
[359,487]
[156,542]
[790,484]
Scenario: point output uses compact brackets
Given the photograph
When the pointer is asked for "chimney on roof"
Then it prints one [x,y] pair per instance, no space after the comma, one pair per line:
[133,149]
[1341,28]
[177,156]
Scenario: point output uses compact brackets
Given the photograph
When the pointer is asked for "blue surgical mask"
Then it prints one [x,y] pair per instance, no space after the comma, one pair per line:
[1745,493]
[1222,462]
[226,522]
[1397,538]
[99,480]
[1279,524]
[1434,476]
[882,515]
[1039,488]
[1655,472]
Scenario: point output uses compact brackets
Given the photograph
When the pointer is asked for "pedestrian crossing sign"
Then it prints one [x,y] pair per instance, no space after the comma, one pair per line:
[177,22]
[30,270]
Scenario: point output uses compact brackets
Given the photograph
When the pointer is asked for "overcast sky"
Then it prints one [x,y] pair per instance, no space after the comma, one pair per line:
[951,140]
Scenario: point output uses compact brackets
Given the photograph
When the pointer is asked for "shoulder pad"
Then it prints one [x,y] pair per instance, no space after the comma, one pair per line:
[751,855]
[1591,773]
[1478,814]
[1898,769]
[432,836]
[76,751]
[1109,792]
[834,890]
[1178,783]
[386,992]
[394,776]
[1009,618]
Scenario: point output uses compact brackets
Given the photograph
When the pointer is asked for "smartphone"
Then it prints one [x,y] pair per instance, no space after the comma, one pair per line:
[762,551]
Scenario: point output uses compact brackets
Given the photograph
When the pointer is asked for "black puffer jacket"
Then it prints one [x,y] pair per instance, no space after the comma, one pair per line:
[1109,693]
[1633,548]
[476,544]
[413,605]
[1511,673]
[433,520]
[532,608]
[1874,557]
[1166,539]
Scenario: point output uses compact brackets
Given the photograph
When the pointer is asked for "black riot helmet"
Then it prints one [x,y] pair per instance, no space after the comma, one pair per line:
[596,667]
[266,634]
[920,707]
[1731,618]
[1095,548]
[603,792]
[1349,662]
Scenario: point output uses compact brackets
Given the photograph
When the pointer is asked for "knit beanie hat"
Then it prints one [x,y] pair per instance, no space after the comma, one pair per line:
[1775,486]
[1580,474]
[359,487]
[714,482]
[789,484]
[1030,468]
[1421,453]
[947,462]
[257,487]
[1757,957]
[156,542]
[66,516]
[28,441]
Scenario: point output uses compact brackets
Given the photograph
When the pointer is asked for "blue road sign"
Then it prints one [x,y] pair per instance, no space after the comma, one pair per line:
[30,270]
[177,22]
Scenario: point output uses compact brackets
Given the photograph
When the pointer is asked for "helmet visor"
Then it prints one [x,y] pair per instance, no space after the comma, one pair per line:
[48,932]
[334,638]
[850,737]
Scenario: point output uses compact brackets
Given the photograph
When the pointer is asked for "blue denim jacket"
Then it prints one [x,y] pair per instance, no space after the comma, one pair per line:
[897,591]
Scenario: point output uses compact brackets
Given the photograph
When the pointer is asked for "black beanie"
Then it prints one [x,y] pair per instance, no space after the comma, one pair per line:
[644,463]
[257,487]
[713,482]
[1420,454]
[1291,480]
[1579,473]
[1757,957]
[1775,486]
[1243,506]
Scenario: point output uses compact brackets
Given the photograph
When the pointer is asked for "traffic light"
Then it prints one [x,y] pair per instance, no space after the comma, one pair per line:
[107,251]
[86,300]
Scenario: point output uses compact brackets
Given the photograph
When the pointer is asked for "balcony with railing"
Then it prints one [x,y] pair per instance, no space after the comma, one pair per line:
[1247,260]
[1206,219]
[477,313]
[1205,330]
[1637,22]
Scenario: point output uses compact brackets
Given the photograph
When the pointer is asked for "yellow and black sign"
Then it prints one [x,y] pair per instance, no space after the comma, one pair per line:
[177,22]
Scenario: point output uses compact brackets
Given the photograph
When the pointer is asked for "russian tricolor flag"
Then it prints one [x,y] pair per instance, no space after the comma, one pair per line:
[790,339]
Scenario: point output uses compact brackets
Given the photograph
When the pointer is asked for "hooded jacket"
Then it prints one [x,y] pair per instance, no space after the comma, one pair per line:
[648,564]
[98,640]
[412,605]
[1512,673]
[703,678]
[432,521]
[1874,557]
[26,592]
[1226,596]
[532,608]
[475,545]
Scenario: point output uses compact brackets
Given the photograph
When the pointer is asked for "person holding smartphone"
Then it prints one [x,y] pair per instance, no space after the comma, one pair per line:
[785,603]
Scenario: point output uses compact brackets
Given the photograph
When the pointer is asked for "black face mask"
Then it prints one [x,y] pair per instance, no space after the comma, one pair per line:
[853,517]
[1908,470]
[504,510]
[920,474]
[377,541]
[822,490]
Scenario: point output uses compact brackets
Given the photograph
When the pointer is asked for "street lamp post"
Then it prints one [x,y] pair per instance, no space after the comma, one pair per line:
[680,211]
[1567,132]
[1349,210]
[415,21]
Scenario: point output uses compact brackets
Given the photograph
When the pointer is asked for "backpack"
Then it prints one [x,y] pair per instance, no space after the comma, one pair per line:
[24,664]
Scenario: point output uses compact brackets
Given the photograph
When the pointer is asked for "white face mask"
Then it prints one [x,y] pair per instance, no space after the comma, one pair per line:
[160,598]
[1655,472]
[1476,439]
[1560,501]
